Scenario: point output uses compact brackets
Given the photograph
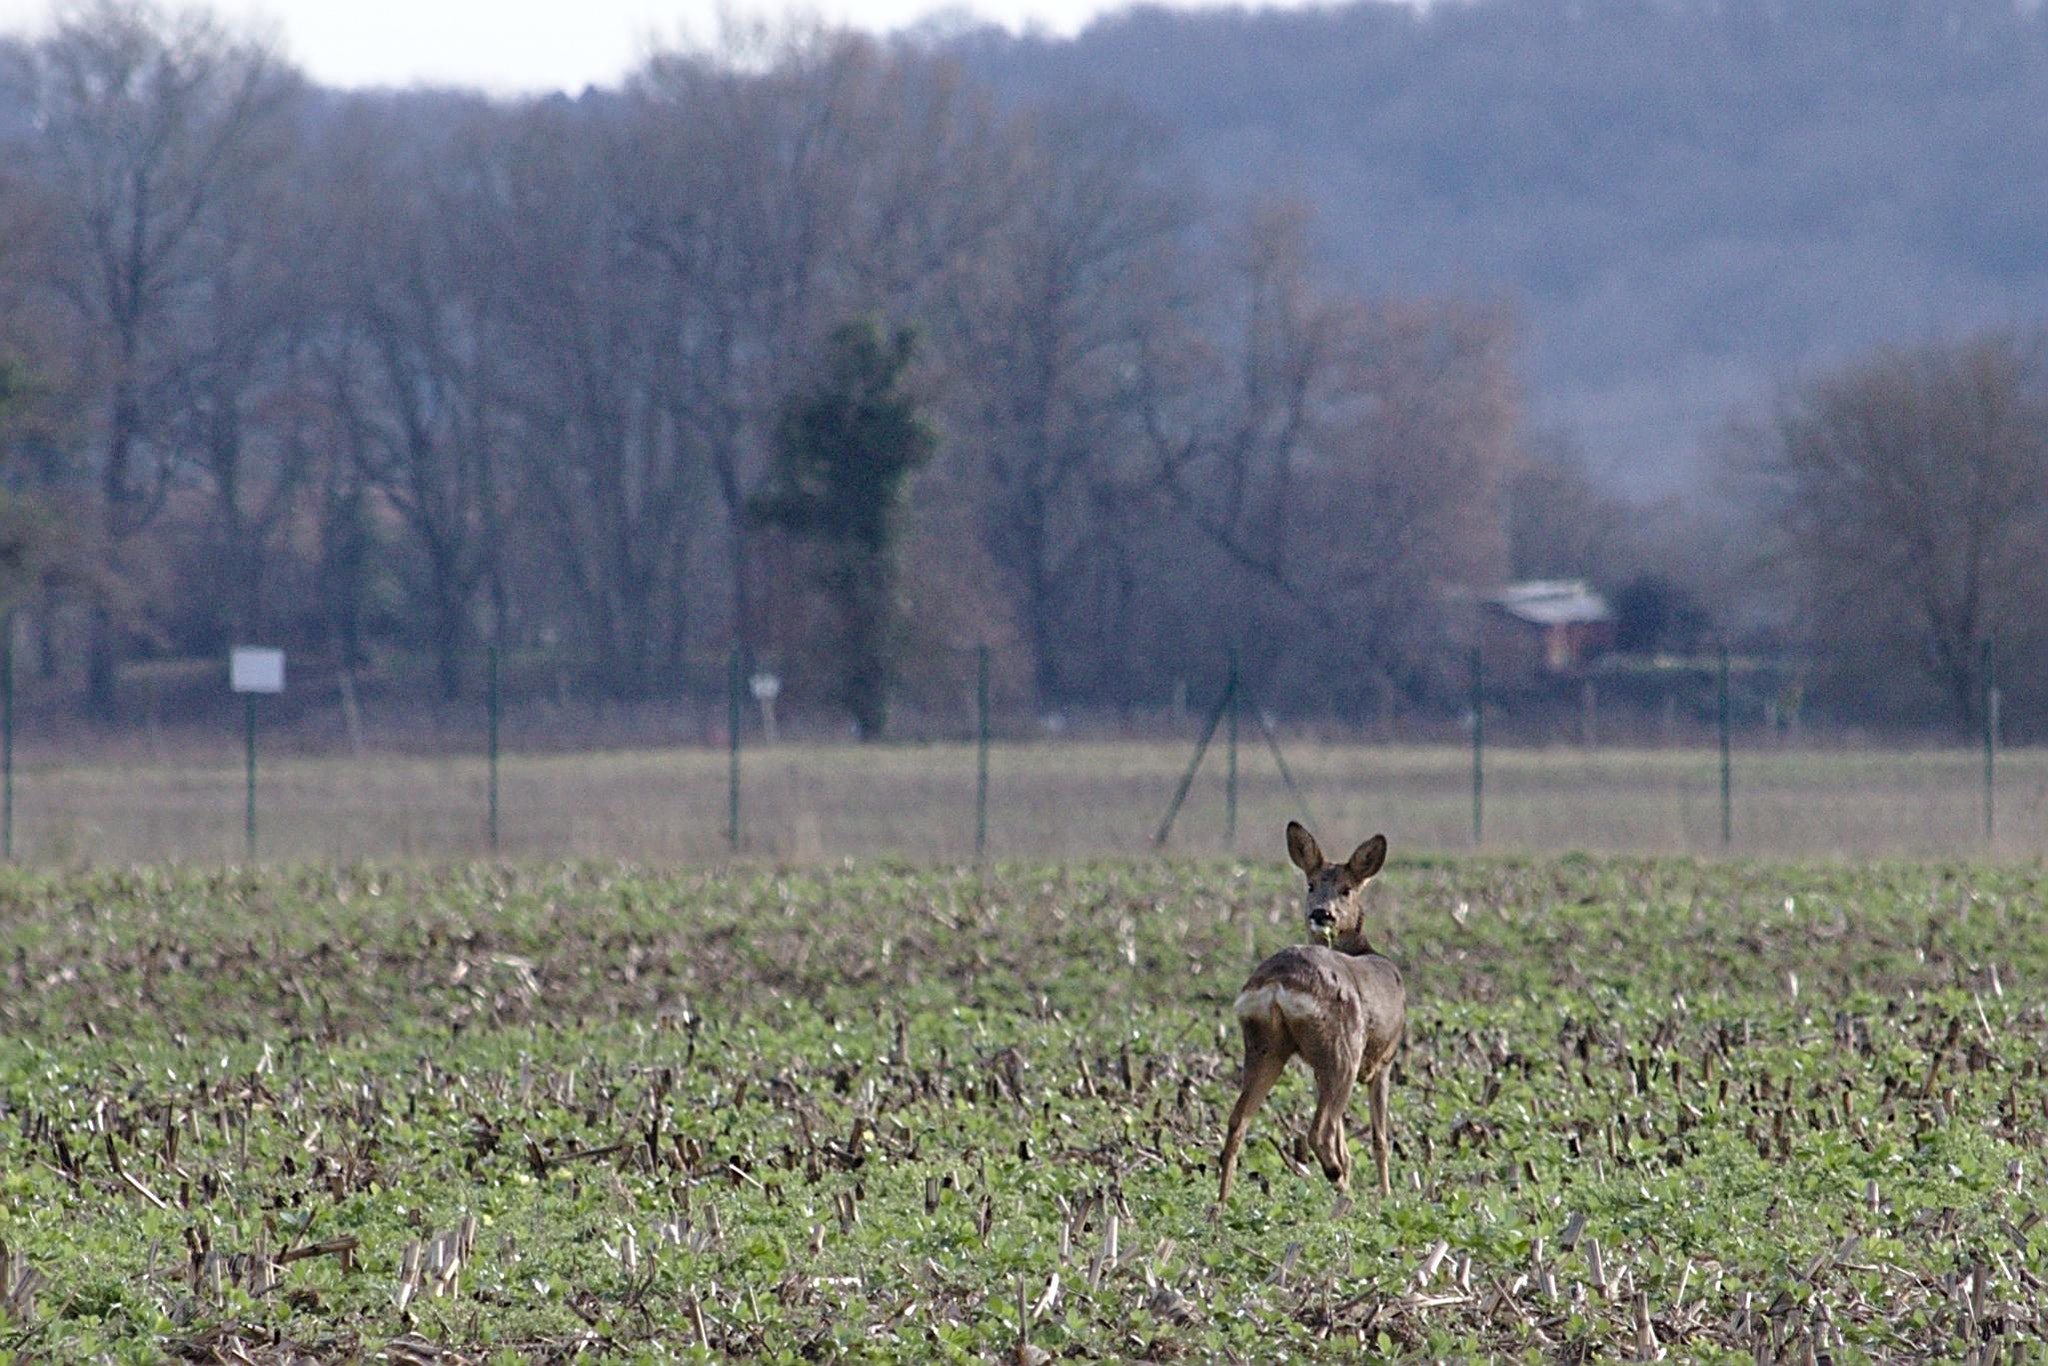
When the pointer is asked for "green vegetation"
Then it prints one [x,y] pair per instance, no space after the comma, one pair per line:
[868,1112]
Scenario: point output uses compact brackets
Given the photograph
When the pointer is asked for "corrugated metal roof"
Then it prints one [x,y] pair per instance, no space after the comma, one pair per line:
[1553,602]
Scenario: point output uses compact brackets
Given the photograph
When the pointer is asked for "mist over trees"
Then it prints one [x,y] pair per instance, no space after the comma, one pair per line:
[1687,198]
[389,377]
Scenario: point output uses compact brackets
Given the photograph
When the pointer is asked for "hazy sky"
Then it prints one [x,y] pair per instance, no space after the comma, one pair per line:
[516,45]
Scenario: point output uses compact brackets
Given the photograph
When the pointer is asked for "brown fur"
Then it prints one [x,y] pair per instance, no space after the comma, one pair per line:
[1341,1007]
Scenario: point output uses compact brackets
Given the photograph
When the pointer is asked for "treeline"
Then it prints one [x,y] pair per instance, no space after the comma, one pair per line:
[824,350]
[1691,196]
[386,376]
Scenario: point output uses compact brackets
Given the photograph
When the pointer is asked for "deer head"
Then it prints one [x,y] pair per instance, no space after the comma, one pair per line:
[1333,905]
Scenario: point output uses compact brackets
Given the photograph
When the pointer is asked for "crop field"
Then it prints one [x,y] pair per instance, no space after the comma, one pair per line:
[875,1112]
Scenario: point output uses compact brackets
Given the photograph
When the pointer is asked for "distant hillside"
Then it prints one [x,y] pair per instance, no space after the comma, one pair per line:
[1687,198]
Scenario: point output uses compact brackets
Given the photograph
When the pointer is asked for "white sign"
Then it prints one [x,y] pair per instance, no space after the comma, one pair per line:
[255,669]
[767,687]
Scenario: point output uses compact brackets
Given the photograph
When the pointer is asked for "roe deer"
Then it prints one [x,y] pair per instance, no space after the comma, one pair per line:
[1338,1004]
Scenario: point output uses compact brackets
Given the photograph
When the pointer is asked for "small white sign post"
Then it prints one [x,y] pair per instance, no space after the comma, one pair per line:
[253,670]
[766,688]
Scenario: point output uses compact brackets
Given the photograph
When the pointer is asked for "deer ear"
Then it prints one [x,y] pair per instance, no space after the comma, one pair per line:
[1368,858]
[1303,849]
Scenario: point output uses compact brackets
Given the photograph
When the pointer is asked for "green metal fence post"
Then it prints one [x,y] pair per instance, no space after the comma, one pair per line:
[732,731]
[249,787]
[1727,775]
[493,704]
[7,740]
[1478,746]
[1990,709]
[981,756]
[1230,769]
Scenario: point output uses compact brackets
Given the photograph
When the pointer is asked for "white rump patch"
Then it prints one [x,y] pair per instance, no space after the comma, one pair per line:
[1270,997]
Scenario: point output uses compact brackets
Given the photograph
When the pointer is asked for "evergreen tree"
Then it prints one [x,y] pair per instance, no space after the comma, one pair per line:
[844,453]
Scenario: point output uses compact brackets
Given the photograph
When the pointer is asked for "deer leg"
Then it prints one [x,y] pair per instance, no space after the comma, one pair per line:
[1326,1130]
[1266,1050]
[1380,1092]
[1336,1069]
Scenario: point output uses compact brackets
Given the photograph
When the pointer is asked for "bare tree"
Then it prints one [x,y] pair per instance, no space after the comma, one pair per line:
[1049,328]
[1268,381]
[1336,453]
[147,124]
[1560,524]
[1418,476]
[418,383]
[787,180]
[246,416]
[740,207]
[608,447]
[1904,497]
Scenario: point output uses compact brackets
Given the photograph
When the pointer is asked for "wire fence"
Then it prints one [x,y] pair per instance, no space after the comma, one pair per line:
[1219,782]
